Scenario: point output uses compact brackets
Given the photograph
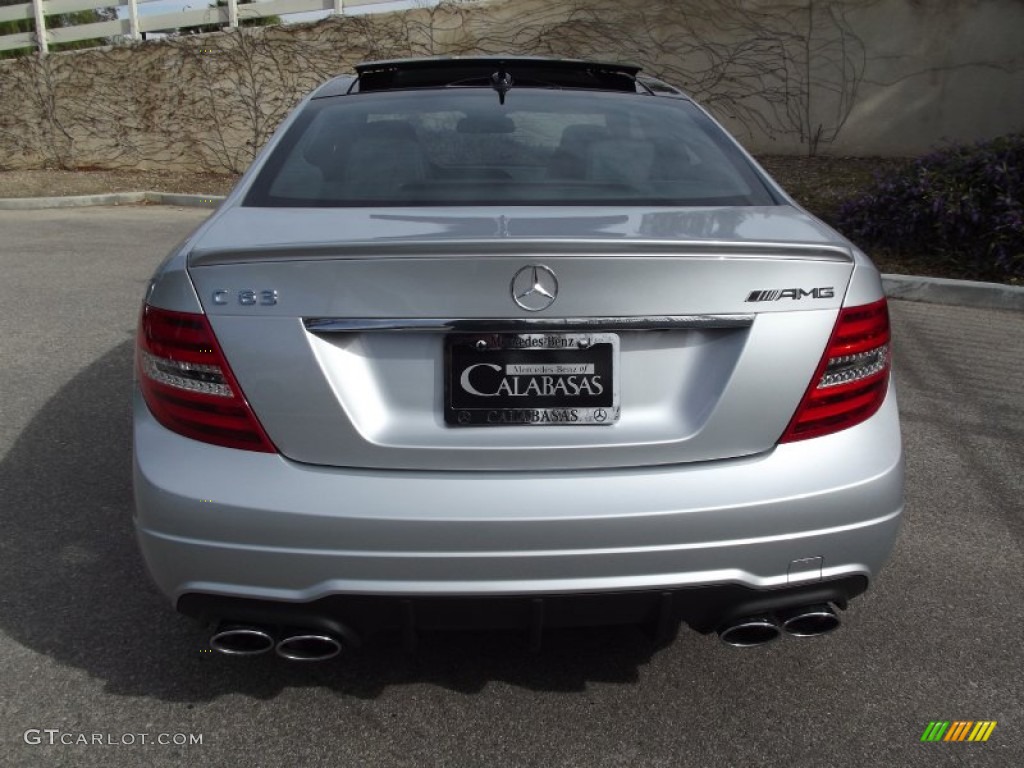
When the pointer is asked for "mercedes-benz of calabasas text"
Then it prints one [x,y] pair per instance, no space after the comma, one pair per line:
[511,343]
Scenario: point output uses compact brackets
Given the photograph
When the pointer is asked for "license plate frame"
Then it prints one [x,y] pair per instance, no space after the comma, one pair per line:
[531,379]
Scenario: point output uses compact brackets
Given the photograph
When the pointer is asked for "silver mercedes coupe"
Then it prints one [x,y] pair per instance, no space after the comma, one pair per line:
[511,343]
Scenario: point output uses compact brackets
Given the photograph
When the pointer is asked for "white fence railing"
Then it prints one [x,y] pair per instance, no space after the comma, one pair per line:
[131,26]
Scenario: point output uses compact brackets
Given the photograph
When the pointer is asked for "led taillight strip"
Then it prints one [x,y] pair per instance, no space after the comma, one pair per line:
[188,385]
[852,378]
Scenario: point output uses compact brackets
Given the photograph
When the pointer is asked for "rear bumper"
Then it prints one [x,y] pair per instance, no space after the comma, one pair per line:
[352,617]
[221,529]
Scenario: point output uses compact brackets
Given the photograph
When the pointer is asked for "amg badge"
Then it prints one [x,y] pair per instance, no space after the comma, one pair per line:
[792,293]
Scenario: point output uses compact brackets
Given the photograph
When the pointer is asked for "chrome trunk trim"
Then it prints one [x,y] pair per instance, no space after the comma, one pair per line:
[525,325]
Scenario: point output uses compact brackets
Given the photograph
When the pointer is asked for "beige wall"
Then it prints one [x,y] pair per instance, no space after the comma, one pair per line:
[888,77]
[937,70]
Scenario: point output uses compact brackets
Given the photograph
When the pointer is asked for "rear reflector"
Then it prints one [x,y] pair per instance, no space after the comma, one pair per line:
[852,378]
[188,385]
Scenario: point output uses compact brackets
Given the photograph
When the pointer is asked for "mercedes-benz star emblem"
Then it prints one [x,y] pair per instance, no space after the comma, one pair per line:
[534,288]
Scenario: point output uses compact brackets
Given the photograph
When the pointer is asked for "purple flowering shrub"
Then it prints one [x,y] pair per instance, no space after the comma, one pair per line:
[961,204]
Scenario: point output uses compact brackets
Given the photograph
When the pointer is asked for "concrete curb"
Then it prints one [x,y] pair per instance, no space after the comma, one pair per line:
[937,290]
[188,201]
[113,198]
[962,293]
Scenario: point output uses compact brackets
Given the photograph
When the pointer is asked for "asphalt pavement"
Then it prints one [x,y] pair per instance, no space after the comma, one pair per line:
[89,651]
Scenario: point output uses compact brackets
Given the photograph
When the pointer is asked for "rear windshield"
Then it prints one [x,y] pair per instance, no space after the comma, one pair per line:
[461,146]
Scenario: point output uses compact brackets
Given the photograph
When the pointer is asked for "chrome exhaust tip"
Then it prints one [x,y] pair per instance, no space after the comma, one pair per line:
[749,631]
[809,620]
[241,640]
[308,647]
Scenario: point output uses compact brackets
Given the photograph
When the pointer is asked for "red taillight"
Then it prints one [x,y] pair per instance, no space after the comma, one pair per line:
[852,378]
[188,385]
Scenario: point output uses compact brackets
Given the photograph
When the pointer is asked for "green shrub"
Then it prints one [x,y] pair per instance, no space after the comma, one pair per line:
[962,204]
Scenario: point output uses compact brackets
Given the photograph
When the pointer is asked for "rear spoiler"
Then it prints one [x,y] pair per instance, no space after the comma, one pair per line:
[430,248]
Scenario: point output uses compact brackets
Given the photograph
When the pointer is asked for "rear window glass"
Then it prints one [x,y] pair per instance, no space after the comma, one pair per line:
[461,146]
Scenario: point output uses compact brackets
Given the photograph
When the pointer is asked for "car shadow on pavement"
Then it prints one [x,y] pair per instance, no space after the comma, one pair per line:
[73,585]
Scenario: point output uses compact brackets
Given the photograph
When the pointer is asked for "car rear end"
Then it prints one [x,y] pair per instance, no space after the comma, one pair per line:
[511,357]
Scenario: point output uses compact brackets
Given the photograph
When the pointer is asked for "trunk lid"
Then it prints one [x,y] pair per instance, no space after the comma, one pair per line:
[337,335]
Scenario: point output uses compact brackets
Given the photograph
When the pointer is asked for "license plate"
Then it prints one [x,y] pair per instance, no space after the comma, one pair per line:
[531,379]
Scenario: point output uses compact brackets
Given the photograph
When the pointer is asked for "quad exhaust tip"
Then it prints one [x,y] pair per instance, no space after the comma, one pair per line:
[750,631]
[241,640]
[308,647]
[804,621]
[294,644]
[809,621]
